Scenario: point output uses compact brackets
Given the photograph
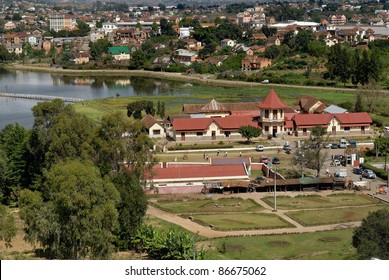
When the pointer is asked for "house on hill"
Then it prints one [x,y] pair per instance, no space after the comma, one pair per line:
[154,128]
[119,53]
[310,105]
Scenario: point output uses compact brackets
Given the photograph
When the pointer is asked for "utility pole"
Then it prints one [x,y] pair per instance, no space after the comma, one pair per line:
[275,190]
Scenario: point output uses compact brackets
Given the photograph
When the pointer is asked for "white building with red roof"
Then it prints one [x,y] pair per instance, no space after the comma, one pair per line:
[335,124]
[272,118]
[196,129]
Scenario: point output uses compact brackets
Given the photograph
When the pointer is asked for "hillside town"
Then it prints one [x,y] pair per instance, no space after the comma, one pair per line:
[111,31]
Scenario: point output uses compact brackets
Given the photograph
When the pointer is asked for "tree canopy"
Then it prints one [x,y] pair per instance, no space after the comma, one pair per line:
[249,132]
[75,216]
[371,238]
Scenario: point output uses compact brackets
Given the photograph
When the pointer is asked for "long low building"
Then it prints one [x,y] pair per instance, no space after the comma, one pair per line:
[221,122]
[170,177]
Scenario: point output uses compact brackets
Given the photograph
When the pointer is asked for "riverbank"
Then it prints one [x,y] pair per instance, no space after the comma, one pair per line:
[206,79]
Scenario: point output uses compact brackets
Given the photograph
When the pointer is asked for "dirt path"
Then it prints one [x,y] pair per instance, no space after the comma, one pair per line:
[209,233]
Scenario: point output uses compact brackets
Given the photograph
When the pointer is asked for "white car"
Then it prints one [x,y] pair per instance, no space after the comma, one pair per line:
[336,162]
[259,148]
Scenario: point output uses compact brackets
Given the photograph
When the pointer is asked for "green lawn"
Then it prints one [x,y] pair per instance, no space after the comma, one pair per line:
[221,205]
[332,216]
[241,221]
[316,201]
[325,245]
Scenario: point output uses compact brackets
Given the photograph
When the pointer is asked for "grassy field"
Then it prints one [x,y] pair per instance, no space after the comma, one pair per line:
[242,221]
[221,205]
[332,216]
[316,201]
[325,245]
[198,93]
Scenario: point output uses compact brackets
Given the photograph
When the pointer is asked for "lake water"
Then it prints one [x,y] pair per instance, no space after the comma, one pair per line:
[14,110]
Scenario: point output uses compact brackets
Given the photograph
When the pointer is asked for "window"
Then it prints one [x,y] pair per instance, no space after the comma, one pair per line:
[199,134]
[266,114]
[227,134]
[156,131]
[266,128]
[274,114]
[346,128]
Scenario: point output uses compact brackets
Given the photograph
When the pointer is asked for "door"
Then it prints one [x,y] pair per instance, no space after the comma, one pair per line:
[213,135]
[182,136]
[333,130]
[362,130]
[304,131]
[274,131]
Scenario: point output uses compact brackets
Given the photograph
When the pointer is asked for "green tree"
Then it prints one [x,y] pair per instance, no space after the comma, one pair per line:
[45,114]
[170,244]
[312,153]
[166,28]
[70,138]
[248,132]
[269,31]
[99,47]
[138,59]
[8,227]
[371,238]
[75,217]
[13,140]
[358,107]
[381,145]
[132,207]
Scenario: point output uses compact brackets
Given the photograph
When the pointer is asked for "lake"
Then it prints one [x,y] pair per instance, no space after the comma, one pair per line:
[14,110]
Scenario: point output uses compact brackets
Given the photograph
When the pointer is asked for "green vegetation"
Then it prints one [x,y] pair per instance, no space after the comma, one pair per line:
[325,245]
[371,238]
[222,205]
[332,216]
[241,221]
[316,201]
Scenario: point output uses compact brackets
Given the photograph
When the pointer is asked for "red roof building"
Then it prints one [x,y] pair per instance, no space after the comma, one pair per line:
[336,124]
[272,114]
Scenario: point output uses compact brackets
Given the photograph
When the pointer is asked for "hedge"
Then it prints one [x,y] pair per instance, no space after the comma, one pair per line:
[378,171]
[199,147]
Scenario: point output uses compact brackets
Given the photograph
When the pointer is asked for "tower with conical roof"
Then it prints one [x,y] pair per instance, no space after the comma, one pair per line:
[272,114]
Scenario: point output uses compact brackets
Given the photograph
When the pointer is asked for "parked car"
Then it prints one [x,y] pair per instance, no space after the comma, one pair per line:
[336,162]
[334,145]
[352,143]
[369,174]
[275,161]
[342,143]
[357,170]
[326,145]
[264,81]
[286,146]
[259,148]
[264,159]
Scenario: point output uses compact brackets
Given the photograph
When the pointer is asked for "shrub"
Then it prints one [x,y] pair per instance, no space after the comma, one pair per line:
[378,171]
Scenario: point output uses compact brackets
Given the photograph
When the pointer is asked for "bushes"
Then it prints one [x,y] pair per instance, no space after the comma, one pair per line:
[181,147]
[378,171]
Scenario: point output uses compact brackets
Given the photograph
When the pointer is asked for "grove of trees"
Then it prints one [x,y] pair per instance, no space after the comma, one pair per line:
[79,185]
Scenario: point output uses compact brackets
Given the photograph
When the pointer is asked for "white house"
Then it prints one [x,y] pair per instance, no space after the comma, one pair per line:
[154,127]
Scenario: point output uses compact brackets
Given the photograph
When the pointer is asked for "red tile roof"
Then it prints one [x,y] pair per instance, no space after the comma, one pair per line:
[234,122]
[354,118]
[199,171]
[272,101]
[197,124]
[311,120]
[349,119]
[149,121]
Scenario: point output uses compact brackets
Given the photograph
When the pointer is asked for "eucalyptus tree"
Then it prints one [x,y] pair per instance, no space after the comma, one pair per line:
[75,216]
